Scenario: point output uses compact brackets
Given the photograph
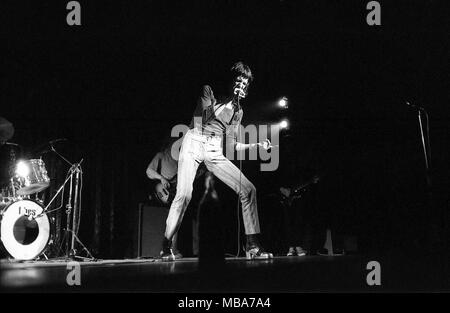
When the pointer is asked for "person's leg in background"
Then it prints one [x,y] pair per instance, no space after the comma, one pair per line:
[289,229]
[298,221]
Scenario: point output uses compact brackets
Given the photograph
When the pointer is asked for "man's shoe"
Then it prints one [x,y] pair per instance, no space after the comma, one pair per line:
[177,254]
[256,252]
[166,253]
[299,251]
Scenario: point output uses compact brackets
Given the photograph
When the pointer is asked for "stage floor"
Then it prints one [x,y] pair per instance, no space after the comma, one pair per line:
[277,275]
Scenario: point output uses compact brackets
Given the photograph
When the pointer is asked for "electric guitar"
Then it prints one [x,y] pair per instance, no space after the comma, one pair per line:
[164,196]
[289,195]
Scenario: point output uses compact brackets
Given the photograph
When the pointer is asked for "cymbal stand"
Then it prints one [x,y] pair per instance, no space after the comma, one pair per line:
[72,226]
[68,212]
[57,153]
[70,233]
[69,177]
[75,215]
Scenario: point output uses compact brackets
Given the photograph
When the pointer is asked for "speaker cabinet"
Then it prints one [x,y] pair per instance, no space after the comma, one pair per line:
[151,227]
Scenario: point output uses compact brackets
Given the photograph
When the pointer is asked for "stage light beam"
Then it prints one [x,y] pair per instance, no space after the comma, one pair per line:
[283,103]
[284,124]
[22,169]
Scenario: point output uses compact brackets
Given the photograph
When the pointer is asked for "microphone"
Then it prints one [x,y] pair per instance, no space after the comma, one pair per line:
[237,92]
[414,106]
[236,96]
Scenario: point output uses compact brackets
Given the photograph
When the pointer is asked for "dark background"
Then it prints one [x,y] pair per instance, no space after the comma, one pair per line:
[115,85]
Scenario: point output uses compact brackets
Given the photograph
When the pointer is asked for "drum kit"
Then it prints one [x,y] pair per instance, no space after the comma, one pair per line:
[26,225]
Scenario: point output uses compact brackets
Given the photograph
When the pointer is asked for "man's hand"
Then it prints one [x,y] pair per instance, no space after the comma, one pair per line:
[265,144]
[285,191]
[165,183]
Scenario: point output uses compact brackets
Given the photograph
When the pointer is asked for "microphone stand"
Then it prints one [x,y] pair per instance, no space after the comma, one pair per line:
[432,233]
[425,145]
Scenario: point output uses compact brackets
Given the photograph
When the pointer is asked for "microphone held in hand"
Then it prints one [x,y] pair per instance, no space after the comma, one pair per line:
[239,91]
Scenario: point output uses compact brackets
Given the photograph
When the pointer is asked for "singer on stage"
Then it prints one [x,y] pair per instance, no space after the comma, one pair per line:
[215,120]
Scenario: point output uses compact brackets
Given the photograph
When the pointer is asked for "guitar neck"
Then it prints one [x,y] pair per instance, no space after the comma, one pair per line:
[310,182]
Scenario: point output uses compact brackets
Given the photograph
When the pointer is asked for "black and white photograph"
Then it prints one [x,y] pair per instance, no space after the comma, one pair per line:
[223,154]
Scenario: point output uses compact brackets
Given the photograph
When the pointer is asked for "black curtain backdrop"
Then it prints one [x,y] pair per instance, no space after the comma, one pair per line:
[115,86]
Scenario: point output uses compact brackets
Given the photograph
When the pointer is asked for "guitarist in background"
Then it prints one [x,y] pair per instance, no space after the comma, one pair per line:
[163,171]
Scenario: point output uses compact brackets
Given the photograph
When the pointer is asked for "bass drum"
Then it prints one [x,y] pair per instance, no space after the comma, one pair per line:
[25,229]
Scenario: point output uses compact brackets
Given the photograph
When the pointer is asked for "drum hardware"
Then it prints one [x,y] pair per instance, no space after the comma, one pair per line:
[25,224]
[52,148]
[75,177]
[13,190]
[49,147]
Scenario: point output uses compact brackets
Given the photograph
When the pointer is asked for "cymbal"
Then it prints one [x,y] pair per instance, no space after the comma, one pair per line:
[6,130]
[41,149]
[47,147]
[12,144]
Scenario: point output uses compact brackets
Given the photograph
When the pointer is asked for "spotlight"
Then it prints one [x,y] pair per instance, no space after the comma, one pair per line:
[22,169]
[283,103]
[284,124]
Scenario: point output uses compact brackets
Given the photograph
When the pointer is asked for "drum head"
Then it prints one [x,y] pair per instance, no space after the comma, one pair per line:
[25,231]
[33,177]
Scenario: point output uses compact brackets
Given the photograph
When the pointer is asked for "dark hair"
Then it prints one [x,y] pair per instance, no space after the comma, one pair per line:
[241,69]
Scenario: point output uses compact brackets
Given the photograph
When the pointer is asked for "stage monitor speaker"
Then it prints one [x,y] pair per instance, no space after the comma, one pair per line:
[151,227]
